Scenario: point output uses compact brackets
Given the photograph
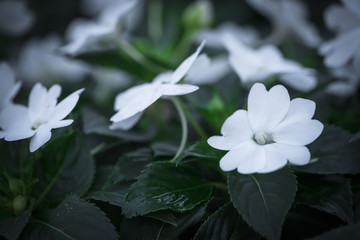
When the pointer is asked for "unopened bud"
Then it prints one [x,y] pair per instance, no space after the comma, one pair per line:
[198,15]
[19,204]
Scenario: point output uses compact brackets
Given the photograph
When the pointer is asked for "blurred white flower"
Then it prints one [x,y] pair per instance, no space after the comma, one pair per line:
[347,84]
[272,132]
[214,37]
[15,18]
[38,119]
[8,87]
[84,35]
[253,65]
[345,47]
[208,71]
[131,103]
[39,61]
[288,18]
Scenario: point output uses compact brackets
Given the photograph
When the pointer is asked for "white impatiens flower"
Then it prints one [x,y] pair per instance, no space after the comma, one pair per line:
[131,103]
[43,114]
[8,87]
[15,18]
[273,131]
[252,65]
[288,18]
[346,45]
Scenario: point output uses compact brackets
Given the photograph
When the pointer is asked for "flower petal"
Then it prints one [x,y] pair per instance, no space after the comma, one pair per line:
[235,130]
[253,160]
[298,133]
[274,160]
[59,124]
[297,155]
[42,136]
[64,107]
[37,101]
[300,81]
[185,65]
[128,123]
[15,118]
[177,89]
[300,109]
[352,5]
[267,109]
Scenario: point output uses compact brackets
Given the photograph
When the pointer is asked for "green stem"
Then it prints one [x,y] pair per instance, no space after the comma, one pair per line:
[193,122]
[155,20]
[50,185]
[183,46]
[184,127]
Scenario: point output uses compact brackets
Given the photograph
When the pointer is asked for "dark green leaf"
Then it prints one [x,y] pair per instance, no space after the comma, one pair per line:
[334,153]
[329,195]
[12,227]
[94,123]
[71,219]
[225,223]
[165,216]
[202,149]
[351,232]
[263,200]
[113,193]
[68,166]
[164,185]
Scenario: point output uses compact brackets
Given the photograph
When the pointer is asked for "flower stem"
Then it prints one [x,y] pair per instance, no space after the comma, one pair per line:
[184,127]
[193,122]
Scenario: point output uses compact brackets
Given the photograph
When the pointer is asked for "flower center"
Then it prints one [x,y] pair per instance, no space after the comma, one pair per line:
[261,138]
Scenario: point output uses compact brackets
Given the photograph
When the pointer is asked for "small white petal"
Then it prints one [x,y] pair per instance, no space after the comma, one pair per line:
[15,118]
[297,155]
[348,21]
[16,135]
[298,133]
[342,89]
[274,160]
[267,109]
[177,89]
[42,136]
[60,124]
[253,161]
[37,102]
[64,107]
[184,67]
[235,130]
[300,110]
[353,5]
[128,123]
[300,81]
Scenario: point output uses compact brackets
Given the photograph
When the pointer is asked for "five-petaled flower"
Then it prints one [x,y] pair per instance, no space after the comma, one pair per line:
[43,114]
[272,132]
[131,103]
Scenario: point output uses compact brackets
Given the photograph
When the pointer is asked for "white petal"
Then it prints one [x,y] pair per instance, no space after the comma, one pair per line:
[298,133]
[353,5]
[342,89]
[60,124]
[300,109]
[274,160]
[185,65]
[348,21]
[253,161]
[15,118]
[8,87]
[235,130]
[301,82]
[18,134]
[128,123]
[297,155]
[177,89]
[37,102]
[64,107]
[42,136]
[247,70]
[135,100]
[267,109]
[2,134]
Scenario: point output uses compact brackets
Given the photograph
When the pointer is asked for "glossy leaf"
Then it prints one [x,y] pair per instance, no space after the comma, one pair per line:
[334,153]
[164,185]
[71,219]
[350,232]
[11,227]
[263,200]
[225,223]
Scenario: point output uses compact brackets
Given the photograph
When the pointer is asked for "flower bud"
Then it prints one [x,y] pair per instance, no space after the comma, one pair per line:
[198,15]
[19,204]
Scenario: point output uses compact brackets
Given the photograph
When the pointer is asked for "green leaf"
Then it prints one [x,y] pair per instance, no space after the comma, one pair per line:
[66,168]
[164,185]
[350,232]
[113,193]
[11,227]
[71,219]
[94,123]
[165,216]
[263,200]
[225,223]
[329,195]
[202,149]
[334,153]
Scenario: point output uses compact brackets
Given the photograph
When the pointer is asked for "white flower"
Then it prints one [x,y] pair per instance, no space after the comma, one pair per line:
[15,18]
[38,61]
[131,103]
[288,18]
[253,65]
[95,35]
[346,45]
[214,37]
[273,131]
[347,84]
[8,87]
[37,120]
